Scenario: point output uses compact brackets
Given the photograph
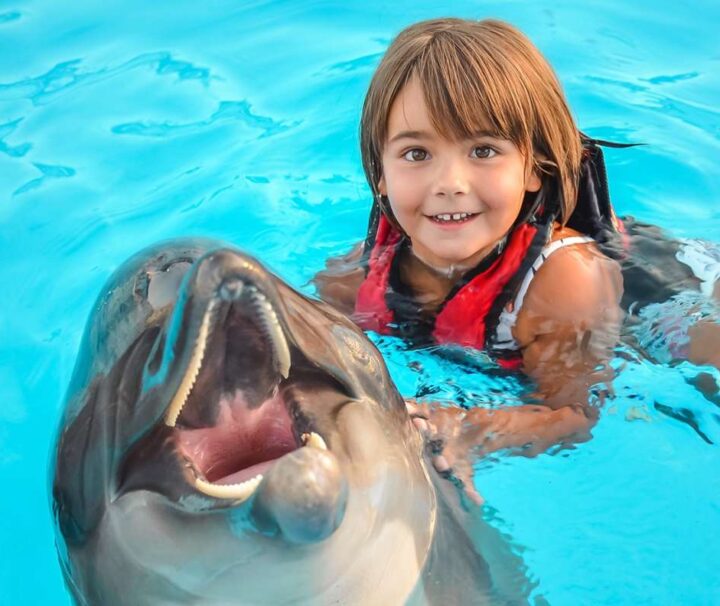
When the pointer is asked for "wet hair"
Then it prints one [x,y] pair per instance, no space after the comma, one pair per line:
[477,76]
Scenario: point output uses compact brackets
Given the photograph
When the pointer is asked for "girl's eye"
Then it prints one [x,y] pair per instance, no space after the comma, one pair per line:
[483,151]
[415,155]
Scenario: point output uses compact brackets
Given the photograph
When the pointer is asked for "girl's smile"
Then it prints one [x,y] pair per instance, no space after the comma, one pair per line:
[455,200]
[452,220]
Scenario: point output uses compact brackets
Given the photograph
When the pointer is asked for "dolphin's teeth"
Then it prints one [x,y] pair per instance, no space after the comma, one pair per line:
[276,334]
[188,381]
[314,440]
[236,492]
[283,353]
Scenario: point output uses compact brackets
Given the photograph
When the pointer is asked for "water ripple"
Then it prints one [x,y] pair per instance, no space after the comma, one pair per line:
[183,70]
[336,179]
[671,79]
[701,117]
[49,171]
[228,111]
[17,151]
[11,16]
[634,88]
[68,75]
[359,63]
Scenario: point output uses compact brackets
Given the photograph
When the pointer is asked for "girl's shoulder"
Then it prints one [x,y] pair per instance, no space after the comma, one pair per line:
[574,284]
[561,232]
[572,259]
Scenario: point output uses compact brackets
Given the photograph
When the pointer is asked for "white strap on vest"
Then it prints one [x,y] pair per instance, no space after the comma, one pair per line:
[503,335]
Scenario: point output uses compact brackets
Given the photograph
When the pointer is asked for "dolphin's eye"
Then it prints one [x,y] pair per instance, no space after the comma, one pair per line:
[160,286]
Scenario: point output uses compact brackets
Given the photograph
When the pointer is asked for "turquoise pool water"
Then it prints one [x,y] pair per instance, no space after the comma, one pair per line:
[124,123]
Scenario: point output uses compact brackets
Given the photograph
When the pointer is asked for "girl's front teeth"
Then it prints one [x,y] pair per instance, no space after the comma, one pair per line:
[452,217]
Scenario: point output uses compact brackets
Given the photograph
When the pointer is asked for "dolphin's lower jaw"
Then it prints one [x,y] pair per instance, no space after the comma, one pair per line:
[235,420]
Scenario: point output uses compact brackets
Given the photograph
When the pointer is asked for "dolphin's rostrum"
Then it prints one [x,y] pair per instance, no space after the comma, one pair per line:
[227,440]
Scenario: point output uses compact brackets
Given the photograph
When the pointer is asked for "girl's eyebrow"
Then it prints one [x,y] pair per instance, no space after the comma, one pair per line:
[422,134]
[485,133]
[411,134]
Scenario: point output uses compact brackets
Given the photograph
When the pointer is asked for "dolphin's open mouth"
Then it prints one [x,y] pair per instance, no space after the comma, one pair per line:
[234,413]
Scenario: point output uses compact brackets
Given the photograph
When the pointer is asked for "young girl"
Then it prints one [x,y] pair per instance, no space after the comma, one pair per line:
[489,208]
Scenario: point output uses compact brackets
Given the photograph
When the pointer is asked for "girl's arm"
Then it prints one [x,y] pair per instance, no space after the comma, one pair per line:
[458,437]
[569,325]
[567,329]
[339,282]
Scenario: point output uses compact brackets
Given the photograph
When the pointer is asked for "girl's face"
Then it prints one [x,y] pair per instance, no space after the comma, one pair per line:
[454,199]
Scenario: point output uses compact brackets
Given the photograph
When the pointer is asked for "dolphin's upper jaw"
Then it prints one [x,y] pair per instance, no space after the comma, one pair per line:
[236,412]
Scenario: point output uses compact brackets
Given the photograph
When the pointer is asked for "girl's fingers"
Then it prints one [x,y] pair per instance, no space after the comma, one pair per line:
[441,463]
[421,424]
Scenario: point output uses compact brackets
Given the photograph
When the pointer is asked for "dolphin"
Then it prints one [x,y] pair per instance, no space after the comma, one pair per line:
[227,440]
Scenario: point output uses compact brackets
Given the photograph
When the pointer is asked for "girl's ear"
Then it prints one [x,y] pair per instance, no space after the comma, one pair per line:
[382,190]
[533,182]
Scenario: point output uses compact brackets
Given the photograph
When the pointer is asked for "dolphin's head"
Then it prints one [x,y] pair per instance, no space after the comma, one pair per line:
[229,440]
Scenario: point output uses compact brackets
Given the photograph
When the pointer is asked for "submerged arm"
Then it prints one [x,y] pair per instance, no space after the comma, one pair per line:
[339,282]
[570,324]
[566,329]
[529,429]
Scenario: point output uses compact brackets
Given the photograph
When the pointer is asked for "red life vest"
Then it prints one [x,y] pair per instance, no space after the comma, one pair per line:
[466,318]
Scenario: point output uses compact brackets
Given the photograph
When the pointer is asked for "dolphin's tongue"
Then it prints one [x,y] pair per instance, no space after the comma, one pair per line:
[243,442]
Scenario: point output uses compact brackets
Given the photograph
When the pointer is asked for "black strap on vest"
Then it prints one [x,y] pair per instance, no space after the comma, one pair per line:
[593,214]
[372,229]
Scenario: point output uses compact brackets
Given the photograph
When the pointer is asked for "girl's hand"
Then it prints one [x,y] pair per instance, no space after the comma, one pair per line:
[441,434]
[456,437]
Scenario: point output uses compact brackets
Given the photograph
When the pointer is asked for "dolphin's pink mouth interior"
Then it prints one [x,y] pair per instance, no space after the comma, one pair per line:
[244,441]
[243,409]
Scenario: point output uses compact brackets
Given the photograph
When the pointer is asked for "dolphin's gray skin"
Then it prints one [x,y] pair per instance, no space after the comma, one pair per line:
[227,440]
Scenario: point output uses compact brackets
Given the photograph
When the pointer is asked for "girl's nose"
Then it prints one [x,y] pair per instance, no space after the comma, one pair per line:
[452,178]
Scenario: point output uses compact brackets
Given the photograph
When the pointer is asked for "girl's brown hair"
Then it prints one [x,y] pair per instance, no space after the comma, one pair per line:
[476,76]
